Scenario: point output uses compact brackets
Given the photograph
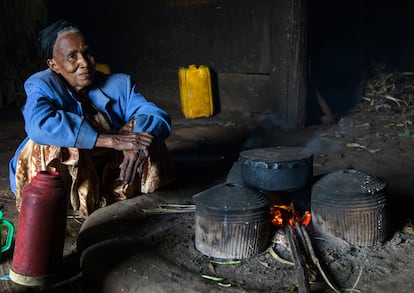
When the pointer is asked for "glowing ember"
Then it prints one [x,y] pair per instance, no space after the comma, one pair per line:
[283,213]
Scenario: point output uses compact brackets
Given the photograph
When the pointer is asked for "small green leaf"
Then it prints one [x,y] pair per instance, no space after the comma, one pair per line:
[406,133]
[212,278]
[224,285]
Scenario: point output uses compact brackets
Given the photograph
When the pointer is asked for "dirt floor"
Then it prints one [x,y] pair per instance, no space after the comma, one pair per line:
[130,247]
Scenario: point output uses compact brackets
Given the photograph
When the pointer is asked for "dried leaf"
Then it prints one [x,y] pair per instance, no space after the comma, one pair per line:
[228,262]
[278,258]
[397,101]
[357,145]
[211,268]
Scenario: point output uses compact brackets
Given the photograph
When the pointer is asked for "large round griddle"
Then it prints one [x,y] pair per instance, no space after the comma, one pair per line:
[277,168]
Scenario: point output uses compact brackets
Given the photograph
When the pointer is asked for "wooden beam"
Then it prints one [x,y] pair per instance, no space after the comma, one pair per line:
[288,56]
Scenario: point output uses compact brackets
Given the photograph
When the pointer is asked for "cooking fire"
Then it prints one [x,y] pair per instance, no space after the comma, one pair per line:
[282,214]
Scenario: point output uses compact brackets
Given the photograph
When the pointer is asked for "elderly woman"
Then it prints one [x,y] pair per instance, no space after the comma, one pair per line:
[103,137]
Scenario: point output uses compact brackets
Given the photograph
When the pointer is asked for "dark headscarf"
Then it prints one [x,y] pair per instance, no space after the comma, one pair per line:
[50,33]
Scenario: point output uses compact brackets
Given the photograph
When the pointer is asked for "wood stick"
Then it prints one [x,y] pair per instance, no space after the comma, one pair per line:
[330,117]
[299,261]
[315,260]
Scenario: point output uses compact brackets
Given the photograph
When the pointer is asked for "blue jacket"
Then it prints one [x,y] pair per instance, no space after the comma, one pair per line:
[53,116]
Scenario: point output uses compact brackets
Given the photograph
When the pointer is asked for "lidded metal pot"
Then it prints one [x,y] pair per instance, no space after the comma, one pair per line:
[351,205]
[231,221]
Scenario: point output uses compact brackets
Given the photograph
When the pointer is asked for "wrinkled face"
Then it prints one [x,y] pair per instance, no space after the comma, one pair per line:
[73,59]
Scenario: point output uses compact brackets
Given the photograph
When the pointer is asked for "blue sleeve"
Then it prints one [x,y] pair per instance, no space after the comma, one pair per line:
[149,117]
[46,121]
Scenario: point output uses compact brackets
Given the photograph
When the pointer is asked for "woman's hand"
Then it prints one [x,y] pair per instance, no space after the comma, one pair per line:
[131,165]
[125,141]
[135,147]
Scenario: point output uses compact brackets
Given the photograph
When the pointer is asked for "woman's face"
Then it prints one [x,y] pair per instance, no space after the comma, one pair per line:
[73,59]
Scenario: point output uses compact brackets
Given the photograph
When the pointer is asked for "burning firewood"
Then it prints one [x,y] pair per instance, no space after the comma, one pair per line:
[315,260]
[286,213]
[294,225]
[299,259]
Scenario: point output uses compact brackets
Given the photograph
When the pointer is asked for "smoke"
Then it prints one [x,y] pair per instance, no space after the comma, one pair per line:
[262,130]
[324,143]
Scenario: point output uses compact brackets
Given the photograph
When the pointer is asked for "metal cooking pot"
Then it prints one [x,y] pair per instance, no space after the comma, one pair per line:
[231,221]
[351,205]
[276,168]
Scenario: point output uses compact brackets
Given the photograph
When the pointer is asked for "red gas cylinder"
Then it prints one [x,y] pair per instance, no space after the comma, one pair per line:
[40,238]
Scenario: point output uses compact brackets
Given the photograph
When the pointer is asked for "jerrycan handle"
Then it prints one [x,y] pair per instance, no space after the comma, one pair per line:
[10,232]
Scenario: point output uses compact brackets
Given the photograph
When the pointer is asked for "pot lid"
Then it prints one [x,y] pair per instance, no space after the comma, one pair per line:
[228,197]
[349,187]
[276,154]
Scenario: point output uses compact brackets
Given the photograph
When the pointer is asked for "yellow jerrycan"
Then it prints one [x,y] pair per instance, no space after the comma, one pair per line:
[102,67]
[195,91]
